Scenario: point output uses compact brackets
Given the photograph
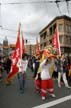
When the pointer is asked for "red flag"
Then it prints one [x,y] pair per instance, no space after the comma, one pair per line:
[15,57]
[23,46]
[37,47]
[55,42]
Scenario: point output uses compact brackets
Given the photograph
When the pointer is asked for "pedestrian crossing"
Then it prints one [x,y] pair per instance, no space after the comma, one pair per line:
[55,102]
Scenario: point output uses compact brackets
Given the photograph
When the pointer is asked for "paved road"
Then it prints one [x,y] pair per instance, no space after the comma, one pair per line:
[11,98]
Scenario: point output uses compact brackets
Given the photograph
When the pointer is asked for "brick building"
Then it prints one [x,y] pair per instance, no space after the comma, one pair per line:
[64,29]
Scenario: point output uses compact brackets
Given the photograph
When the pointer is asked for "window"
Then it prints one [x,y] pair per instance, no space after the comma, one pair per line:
[45,33]
[60,39]
[70,39]
[50,31]
[41,46]
[67,28]
[66,39]
[41,37]
[60,28]
[44,44]
[67,50]
[54,27]
[70,28]
[62,50]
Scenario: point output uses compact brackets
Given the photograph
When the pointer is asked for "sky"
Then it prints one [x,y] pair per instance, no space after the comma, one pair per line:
[33,17]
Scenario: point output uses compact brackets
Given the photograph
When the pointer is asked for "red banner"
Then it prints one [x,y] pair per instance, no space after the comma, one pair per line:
[55,42]
[15,57]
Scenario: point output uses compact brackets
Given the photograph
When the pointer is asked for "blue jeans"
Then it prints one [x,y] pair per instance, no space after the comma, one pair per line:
[21,79]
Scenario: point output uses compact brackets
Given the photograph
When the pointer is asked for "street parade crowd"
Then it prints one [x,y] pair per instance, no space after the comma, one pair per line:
[45,67]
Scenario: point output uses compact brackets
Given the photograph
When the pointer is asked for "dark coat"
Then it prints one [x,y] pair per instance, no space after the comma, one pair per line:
[58,65]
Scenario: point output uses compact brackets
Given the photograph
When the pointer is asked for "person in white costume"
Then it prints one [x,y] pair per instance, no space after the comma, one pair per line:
[46,79]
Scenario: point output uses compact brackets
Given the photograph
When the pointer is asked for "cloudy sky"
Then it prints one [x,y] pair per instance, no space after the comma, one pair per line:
[34,15]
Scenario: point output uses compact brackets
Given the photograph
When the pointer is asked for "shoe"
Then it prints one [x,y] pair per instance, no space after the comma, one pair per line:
[43,98]
[53,95]
[21,92]
[59,86]
[68,87]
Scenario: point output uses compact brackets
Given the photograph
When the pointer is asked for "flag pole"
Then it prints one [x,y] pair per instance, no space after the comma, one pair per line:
[20,41]
[59,42]
[21,44]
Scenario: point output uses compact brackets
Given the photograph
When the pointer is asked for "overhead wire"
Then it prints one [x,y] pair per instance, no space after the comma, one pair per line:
[57,3]
[12,30]
[27,2]
[67,2]
[14,37]
[35,2]
[39,2]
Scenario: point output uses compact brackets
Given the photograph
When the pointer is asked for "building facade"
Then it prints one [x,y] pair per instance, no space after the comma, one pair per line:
[7,49]
[64,30]
[30,49]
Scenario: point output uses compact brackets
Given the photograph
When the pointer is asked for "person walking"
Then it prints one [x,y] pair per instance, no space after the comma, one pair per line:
[0,69]
[8,64]
[22,65]
[36,65]
[61,67]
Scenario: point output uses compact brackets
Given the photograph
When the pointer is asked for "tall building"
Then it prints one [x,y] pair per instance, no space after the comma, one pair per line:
[64,29]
